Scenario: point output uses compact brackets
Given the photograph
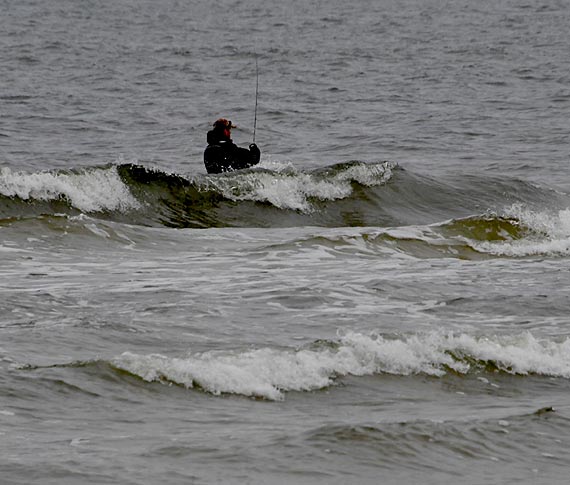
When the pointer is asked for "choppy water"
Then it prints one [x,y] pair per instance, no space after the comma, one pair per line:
[383,300]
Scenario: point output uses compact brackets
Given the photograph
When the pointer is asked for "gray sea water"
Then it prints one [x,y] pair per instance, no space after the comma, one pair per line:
[384,300]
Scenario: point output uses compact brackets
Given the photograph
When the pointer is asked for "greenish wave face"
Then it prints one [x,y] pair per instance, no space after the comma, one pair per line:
[351,194]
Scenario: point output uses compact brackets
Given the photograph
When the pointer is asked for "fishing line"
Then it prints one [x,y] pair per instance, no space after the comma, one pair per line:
[256,95]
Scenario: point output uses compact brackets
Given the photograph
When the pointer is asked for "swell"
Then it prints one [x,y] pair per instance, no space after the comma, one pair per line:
[435,445]
[516,232]
[352,194]
[269,373]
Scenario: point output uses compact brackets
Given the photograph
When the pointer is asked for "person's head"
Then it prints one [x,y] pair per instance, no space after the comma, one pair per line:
[223,126]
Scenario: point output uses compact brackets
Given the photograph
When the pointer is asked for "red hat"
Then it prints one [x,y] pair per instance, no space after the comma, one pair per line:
[223,123]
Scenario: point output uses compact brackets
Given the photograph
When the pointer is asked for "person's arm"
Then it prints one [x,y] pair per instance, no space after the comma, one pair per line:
[245,158]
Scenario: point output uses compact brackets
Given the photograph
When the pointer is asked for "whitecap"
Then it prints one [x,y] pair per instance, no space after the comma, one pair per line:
[89,190]
[548,233]
[269,372]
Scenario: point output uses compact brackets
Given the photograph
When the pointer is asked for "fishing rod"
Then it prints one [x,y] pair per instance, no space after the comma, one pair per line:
[256,96]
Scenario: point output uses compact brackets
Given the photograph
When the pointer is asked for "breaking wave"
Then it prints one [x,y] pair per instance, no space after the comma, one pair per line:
[91,190]
[351,194]
[540,233]
[269,373]
[382,207]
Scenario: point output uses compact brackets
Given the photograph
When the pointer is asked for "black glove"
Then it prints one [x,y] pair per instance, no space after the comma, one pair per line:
[255,153]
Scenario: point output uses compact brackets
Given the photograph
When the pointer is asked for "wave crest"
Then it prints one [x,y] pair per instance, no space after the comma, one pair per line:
[90,190]
[268,372]
[352,194]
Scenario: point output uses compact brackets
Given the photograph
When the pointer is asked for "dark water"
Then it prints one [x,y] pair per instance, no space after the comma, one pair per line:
[383,300]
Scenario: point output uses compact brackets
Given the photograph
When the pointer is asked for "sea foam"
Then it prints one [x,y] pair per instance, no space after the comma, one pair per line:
[269,372]
[287,188]
[90,190]
[548,233]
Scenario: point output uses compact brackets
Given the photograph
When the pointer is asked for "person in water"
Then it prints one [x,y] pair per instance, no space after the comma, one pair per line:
[223,155]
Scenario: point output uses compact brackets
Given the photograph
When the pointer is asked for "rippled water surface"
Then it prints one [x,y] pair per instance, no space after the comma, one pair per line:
[382,300]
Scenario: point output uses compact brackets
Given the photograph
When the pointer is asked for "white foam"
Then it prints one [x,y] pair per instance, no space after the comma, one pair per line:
[6,249]
[90,190]
[269,372]
[286,188]
[367,174]
[549,234]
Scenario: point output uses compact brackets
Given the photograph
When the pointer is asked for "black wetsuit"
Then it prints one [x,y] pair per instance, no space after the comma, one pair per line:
[223,155]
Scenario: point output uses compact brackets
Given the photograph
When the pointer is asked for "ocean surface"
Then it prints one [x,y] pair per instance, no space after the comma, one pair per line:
[383,300]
